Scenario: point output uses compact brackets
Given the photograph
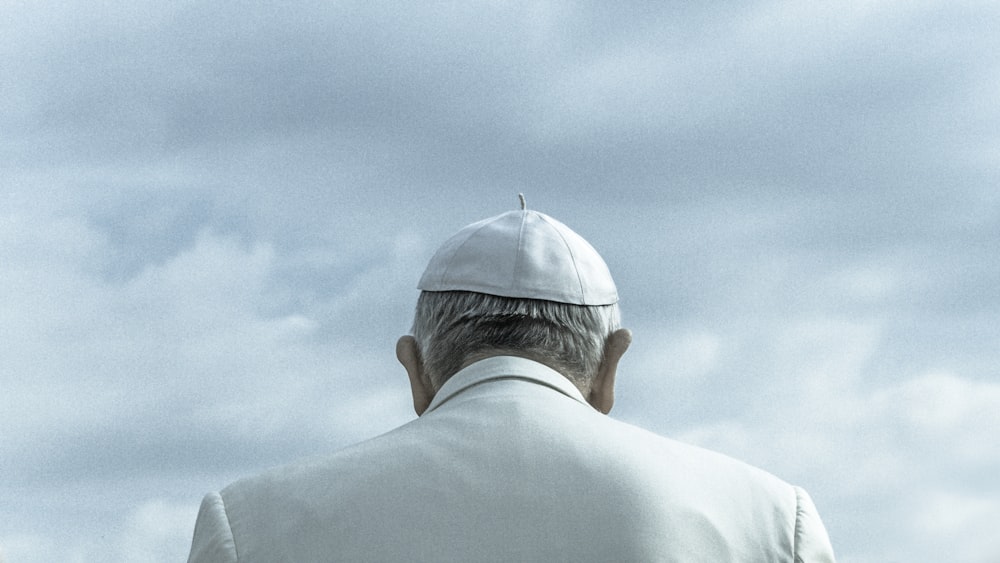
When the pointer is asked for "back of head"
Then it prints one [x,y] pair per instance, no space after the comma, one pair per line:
[520,283]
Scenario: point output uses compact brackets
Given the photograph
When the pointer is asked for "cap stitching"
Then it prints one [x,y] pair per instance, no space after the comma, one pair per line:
[451,258]
[576,268]
[516,274]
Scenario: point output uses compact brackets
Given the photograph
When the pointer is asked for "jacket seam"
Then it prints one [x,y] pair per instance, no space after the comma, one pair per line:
[798,527]
[229,524]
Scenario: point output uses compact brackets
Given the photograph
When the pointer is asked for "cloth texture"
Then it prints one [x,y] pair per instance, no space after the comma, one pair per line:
[522,254]
[509,463]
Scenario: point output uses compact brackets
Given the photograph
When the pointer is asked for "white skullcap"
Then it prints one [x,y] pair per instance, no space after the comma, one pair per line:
[521,254]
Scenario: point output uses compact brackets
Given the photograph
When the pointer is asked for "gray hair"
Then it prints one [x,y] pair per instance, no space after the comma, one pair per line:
[453,327]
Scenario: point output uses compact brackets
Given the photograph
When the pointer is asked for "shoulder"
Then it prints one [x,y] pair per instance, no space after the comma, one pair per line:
[262,512]
[283,481]
[213,536]
[721,488]
[291,486]
[642,447]
[812,543]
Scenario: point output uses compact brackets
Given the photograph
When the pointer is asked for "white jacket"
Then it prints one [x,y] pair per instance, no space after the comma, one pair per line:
[509,463]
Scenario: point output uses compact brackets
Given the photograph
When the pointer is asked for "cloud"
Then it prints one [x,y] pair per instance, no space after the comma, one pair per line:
[213,216]
[194,336]
[157,530]
[914,448]
[778,96]
[961,521]
[943,411]
[685,356]
[196,363]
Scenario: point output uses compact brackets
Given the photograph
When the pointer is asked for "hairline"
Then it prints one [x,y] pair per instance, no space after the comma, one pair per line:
[567,337]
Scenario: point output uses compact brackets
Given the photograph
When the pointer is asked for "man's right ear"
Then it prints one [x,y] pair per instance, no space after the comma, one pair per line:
[408,354]
[602,393]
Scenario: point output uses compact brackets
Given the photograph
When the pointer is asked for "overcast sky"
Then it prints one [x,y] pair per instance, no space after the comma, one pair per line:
[213,216]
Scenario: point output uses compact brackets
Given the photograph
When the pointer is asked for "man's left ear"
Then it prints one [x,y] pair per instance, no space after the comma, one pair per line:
[408,354]
[602,392]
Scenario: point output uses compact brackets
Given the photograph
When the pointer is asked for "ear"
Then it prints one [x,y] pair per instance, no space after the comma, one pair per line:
[602,392]
[408,354]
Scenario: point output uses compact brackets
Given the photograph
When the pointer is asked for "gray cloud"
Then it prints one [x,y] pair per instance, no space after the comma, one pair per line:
[213,217]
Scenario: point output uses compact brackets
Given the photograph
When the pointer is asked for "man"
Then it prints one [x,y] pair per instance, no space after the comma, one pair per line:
[512,365]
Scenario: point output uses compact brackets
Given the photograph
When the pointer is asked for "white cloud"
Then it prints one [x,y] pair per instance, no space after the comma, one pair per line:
[34,547]
[158,531]
[944,412]
[731,437]
[959,527]
[198,236]
[821,353]
[666,356]
[183,352]
[190,338]
[890,449]
[41,548]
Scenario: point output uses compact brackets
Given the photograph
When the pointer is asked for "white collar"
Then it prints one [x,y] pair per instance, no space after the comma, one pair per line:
[504,367]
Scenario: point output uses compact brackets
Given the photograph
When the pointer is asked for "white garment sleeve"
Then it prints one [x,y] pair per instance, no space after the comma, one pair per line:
[213,538]
[812,544]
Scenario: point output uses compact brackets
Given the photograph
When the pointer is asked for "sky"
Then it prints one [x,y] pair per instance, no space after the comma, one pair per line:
[213,216]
